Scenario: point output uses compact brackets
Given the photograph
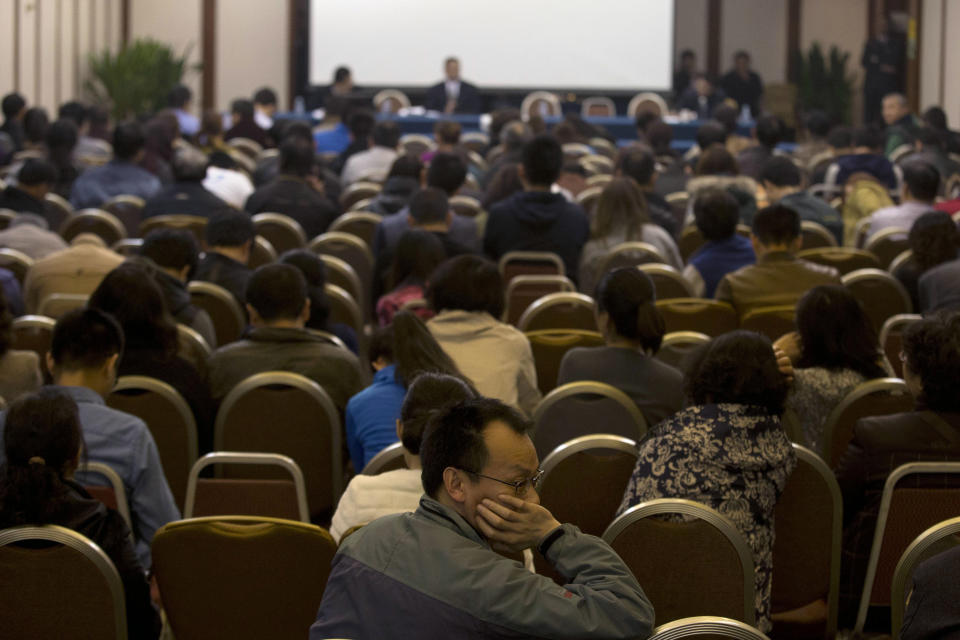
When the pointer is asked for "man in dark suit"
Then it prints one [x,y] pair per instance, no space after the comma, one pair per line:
[932,610]
[701,96]
[453,95]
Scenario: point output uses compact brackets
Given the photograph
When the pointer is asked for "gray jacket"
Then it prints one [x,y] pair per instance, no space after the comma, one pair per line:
[430,575]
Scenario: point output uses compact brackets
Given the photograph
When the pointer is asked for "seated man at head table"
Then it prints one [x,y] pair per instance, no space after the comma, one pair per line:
[453,95]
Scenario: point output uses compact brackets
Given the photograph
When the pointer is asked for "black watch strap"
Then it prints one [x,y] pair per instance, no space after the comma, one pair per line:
[548,541]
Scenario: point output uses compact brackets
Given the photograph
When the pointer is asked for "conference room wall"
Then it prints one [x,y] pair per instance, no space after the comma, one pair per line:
[939,53]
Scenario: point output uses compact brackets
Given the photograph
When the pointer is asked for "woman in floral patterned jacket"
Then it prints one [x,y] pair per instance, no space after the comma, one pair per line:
[727,449]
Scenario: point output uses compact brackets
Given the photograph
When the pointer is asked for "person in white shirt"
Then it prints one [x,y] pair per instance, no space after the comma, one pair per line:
[264,106]
[226,181]
[374,163]
[399,491]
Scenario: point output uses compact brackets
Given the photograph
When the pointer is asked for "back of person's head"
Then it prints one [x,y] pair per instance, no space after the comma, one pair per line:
[429,206]
[42,440]
[932,350]
[99,121]
[130,294]
[35,123]
[12,105]
[75,111]
[84,339]
[644,118]
[386,133]
[467,283]
[265,96]
[868,137]
[454,439]
[505,183]
[717,161]
[936,118]
[542,160]
[716,213]
[726,114]
[171,249]
[781,171]
[340,74]
[817,123]
[711,132]
[128,140]
[769,131]
[934,239]
[428,395]
[242,109]
[515,134]
[447,171]
[840,137]
[835,333]
[296,156]
[179,97]
[627,295]
[211,124]
[293,129]
[36,171]
[621,209]
[930,138]
[277,292]
[229,229]
[447,132]
[499,119]
[336,106]
[418,255]
[314,272]
[361,123]
[921,178]
[776,225]
[189,164]
[637,162]
[660,137]
[61,138]
[406,166]
[407,344]
[565,133]
[737,368]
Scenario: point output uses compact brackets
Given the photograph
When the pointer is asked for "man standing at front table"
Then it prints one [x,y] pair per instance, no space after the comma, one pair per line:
[453,95]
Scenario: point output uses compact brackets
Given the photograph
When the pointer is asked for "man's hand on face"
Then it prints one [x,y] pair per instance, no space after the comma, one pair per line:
[514,524]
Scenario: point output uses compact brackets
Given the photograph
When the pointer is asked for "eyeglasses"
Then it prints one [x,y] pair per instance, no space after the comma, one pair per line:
[520,487]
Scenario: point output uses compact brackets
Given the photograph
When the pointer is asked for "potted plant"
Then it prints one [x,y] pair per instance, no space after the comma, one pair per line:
[823,82]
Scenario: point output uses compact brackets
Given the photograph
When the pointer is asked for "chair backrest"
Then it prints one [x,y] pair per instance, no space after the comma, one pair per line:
[358,223]
[170,421]
[540,103]
[630,254]
[34,333]
[598,106]
[95,221]
[475,141]
[241,576]
[282,232]
[58,304]
[358,191]
[596,164]
[192,347]
[525,290]
[576,150]
[806,551]
[304,425]
[647,101]
[550,345]
[603,146]
[584,408]
[246,497]
[390,101]
[197,225]
[388,459]
[530,263]
[343,308]
[246,146]
[588,198]
[888,244]
[878,397]
[606,461]
[678,345]
[904,258]
[127,246]
[816,236]
[17,262]
[696,314]
[772,321]
[416,144]
[843,259]
[340,273]
[667,281]
[56,209]
[881,295]
[600,180]
[906,512]
[114,495]
[706,628]
[559,311]
[68,564]
[891,338]
[229,321]
[941,537]
[466,206]
[701,566]
[352,250]
[128,209]
[261,253]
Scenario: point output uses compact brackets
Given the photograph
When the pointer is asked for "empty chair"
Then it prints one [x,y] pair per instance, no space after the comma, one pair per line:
[57,304]
[881,295]
[678,345]
[542,263]
[216,496]
[647,101]
[388,459]
[668,282]
[540,103]
[559,311]
[887,245]
[891,338]
[524,290]
[550,345]
[843,259]
[100,223]
[873,398]
[282,232]
[128,210]
[695,314]
[390,101]
[702,564]
[598,106]
[584,408]
[932,542]
[772,322]
[815,235]
[229,321]
[358,191]
[194,224]
[241,576]
[707,628]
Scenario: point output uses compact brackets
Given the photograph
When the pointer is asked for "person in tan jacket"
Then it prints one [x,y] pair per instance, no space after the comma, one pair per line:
[77,269]
[778,277]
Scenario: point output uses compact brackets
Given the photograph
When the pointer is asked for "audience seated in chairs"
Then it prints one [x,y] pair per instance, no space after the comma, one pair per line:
[43,445]
[243,124]
[768,133]
[466,292]
[14,108]
[513,135]
[865,156]
[278,306]
[931,606]
[130,294]
[268,165]
[716,168]
[783,182]
[29,234]
[418,255]
[931,147]
[315,274]
[399,353]
[332,135]
[931,366]
[61,143]
[638,163]
[538,219]
[120,176]
[921,183]
[187,195]
[361,123]
[441,575]
[19,370]
[834,350]
[35,180]
[226,181]
[402,182]
[716,214]
[77,269]
[727,449]
[779,277]
[229,238]
[621,216]
[934,240]
[375,162]
[367,498]
[632,329]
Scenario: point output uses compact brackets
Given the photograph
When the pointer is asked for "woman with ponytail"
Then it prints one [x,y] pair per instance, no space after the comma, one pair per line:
[42,445]
[632,330]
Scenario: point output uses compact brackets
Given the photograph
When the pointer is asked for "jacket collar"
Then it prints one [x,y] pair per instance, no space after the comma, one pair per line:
[81,395]
[776,256]
[283,334]
[447,518]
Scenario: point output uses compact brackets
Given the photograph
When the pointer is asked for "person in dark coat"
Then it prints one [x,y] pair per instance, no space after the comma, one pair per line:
[453,95]
[187,195]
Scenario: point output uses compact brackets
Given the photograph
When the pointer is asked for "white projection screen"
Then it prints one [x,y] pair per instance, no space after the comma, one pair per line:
[511,44]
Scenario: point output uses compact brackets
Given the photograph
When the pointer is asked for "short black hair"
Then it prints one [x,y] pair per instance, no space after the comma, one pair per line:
[738,367]
[417,256]
[934,239]
[128,139]
[171,248]
[781,171]
[265,95]
[35,172]
[716,213]
[726,114]
[179,96]
[294,129]
[35,124]
[74,110]
[687,53]
[454,438]
[12,105]
[406,166]
[447,171]
[660,135]
[840,137]
[429,206]
[817,123]
[361,123]
[243,108]
[931,138]
[62,135]
[711,132]
[341,73]
[428,395]
[932,347]
[277,292]
[296,156]
[769,131]
[336,106]
[386,133]
[869,137]
[85,339]
[542,160]
[716,160]
[229,229]
[467,283]
[922,178]
[637,162]
[776,224]
[628,296]
[936,118]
